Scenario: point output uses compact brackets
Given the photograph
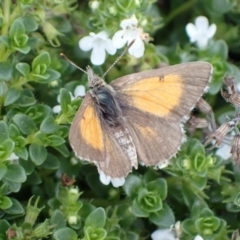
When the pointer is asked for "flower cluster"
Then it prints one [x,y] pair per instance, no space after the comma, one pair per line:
[100,43]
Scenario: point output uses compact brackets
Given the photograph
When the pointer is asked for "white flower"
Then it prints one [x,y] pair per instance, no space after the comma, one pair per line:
[79,91]
[163,164]
[198,237]
[201,32]
[224,151]
[13,157]
[116,182]
[74,190]
[131,31]
[74,160]
[163,234]
[94,5]
[100,44]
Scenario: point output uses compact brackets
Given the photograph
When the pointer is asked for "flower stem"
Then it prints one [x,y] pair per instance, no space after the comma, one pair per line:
[183,8]
[5,25]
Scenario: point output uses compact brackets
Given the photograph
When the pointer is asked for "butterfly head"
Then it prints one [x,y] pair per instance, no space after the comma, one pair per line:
[94,81]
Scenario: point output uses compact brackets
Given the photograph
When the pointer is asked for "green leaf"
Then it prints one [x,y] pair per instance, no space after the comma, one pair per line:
[51,162]
[4,132]
[3,170]
[12,96]
[195,147]
[38,154]
[24,123]
[63,150]
[163,218]
[21,152]
[50,75]
[93,233]
[65,233]
[39,112]
[222,6]
[158,186]
[199,182]
[30,23]
[188,226]
[17,28]
[15,173]
[49,125]
[6,70]
[16,208]
[211,223]
[13,131]
[4,226]
[63,131]
[34,178]
[58,219]
[27,98]
[54,140]
[86,209]
[24,69]
[5,202]
[138,211]
[96,219]
[6,148]
[65,100]
[4,189]
[132,184]
[148,201]
[24,49]
[27,165]
[200,209]
[3,88]
[43,58]
[187,193]
[13,186]
[219,48]
[5,40]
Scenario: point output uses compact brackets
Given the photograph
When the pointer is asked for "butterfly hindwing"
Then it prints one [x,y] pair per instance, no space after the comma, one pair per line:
[156,140]
[156,104]
[92,140]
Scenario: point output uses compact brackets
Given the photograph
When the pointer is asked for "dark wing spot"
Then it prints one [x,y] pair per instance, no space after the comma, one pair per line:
[161,78]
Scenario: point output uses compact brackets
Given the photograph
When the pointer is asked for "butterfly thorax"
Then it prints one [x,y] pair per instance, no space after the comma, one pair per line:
[106,97]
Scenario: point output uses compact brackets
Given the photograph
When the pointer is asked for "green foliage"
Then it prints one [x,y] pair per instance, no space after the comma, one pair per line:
[198,188]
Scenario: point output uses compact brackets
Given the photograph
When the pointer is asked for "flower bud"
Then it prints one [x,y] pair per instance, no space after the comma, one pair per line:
[32,212]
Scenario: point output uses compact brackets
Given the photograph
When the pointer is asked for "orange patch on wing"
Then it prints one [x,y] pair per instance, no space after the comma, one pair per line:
[91,130]
[157,95]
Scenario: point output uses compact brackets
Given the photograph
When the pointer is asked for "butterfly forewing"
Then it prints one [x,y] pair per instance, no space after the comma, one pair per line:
[169,92]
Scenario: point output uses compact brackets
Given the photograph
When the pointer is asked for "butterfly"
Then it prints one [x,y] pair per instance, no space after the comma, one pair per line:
[137,118]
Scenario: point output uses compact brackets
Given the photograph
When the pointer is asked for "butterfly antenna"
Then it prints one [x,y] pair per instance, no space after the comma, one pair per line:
[72,63]
[123,53]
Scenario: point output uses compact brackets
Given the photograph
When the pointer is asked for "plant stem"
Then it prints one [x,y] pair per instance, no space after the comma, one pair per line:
[183,8]
[5,25]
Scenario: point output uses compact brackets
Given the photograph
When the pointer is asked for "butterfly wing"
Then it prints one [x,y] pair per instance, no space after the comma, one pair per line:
[156,140]
[170,92]
[91,139]
[158,101]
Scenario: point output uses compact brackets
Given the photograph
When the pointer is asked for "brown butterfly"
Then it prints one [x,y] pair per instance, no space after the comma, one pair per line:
[137,118]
